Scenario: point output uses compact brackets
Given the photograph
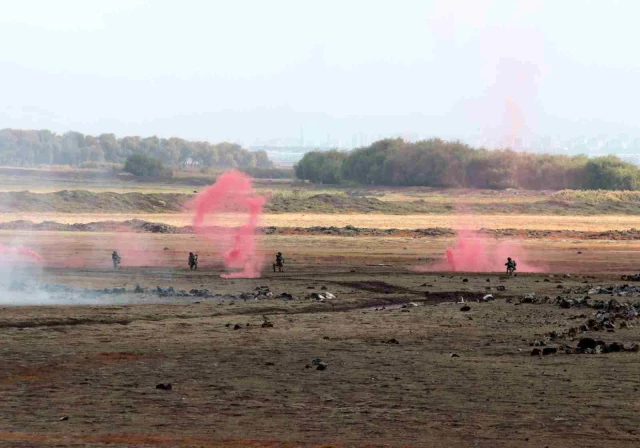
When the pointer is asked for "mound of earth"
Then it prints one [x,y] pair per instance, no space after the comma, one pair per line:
[82,201]
[79,201]
[631,234]
[133,225]
[334,203]
[141,226]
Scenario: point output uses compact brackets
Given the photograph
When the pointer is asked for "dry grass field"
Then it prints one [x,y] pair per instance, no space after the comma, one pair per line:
[369,220]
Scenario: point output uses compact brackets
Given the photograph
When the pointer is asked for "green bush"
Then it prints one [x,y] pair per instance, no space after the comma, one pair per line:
[323,167]
[611,173]
[143,165]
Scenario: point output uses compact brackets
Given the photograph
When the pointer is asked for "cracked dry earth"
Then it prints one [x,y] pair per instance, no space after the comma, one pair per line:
[87,375]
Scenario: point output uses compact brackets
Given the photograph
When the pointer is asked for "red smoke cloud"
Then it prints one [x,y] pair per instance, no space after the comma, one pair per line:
[22,251]
[232,197]
[474,252]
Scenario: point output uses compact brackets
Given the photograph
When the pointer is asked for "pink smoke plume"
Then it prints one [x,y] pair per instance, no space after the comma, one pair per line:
[232,197]
[22,251]
[474,252]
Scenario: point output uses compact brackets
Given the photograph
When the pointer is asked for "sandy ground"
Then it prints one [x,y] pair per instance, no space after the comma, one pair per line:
[87,375]
[470,222]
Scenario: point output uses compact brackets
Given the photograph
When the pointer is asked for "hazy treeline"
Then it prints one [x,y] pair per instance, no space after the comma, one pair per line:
[30,148]
[439,163]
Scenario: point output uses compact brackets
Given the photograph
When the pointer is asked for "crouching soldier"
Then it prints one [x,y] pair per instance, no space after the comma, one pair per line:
[279,264]
[511,266]
[116,260]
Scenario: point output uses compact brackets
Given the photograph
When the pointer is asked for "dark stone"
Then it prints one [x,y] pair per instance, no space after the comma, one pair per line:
[267,324]
[501,288]
[454,355]
[324,288]
[615,347]
[564,303]
[465,308]
[549,351]
[237,327]
[322,366]
[393,341]
[586,343]
[162,386]
[465,280]
[536,352]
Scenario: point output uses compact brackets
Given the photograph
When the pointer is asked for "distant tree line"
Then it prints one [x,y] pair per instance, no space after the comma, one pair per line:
[439,163]
[30,148]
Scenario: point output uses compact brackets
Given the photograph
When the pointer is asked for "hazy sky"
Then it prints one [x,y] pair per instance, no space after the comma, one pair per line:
[254,70]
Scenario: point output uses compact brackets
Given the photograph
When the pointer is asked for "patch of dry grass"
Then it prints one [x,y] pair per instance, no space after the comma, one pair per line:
[596,196]
[379,221]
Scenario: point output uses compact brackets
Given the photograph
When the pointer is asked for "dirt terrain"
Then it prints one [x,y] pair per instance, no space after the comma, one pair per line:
[361,342]
[427,374]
